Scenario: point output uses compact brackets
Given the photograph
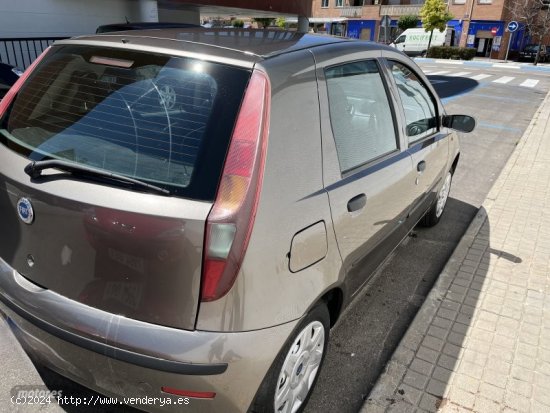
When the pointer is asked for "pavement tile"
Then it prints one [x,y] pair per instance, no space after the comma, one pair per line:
[517,402]
[483,405]
[462,397]
[491,392]
[430,403]
[415,379]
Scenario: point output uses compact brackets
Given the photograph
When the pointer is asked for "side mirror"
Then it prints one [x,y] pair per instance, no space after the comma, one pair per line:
[461,123]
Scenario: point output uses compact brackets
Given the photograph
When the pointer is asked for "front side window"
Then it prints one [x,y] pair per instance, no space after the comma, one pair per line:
[157,118]
[418,103]
[360,113]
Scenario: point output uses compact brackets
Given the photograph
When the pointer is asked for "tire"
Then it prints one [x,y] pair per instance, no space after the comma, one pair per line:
[276,392]
[435,212]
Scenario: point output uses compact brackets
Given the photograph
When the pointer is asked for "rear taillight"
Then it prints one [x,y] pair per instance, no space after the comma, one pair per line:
[231,219]
[8,98]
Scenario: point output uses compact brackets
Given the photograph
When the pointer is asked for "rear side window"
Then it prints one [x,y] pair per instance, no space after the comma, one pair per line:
[157,118]
[360,113]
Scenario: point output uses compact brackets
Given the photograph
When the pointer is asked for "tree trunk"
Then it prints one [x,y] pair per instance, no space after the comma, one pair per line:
[537,56]
[429,42]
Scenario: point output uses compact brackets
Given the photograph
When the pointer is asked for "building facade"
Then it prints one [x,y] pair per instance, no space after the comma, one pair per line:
[480,24]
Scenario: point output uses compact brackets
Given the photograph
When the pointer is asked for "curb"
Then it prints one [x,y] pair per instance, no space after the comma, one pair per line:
[383,395]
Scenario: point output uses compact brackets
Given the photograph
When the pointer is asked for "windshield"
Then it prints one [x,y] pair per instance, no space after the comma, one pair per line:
[157,118]
[531,48]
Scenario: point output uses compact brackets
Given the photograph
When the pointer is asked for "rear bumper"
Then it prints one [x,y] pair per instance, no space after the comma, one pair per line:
[126,358]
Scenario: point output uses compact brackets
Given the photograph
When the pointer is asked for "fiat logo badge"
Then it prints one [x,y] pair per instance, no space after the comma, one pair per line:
[25,211]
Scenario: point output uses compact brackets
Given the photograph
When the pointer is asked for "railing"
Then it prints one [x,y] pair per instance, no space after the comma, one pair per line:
[400,10]
[22,52]
[351,11]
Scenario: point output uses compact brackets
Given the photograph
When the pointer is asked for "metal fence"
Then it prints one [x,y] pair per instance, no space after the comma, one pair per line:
[22,52]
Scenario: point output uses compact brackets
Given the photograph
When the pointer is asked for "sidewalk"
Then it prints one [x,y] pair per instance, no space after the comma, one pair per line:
[489,63]
[481,341]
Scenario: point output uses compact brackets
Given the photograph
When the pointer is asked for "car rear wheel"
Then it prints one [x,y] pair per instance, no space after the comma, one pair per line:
[435,213]
[292,376]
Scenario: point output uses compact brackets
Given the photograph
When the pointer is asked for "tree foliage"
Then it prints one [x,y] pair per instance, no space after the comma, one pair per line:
[280,22]
[535,15]
[408,21]
[434,16]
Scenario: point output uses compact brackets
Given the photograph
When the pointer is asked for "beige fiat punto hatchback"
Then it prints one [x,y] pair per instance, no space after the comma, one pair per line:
[185,213]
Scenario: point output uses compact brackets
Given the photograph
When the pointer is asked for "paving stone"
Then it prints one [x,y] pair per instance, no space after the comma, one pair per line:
[415,379]
[491,392]
[430,403]
[422,367]
[520,387]
[483,405]
[517,402]
[436,387]
[462,398]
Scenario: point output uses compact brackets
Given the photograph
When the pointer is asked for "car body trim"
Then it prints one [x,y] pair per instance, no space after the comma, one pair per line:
[142,360]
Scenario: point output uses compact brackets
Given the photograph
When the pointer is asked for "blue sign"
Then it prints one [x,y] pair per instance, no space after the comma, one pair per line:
[513,26]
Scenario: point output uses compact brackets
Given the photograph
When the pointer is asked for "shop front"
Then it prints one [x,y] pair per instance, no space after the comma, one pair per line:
[486,37]
[361,29]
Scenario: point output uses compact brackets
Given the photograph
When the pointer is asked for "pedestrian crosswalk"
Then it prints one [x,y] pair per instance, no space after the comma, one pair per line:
[529,83]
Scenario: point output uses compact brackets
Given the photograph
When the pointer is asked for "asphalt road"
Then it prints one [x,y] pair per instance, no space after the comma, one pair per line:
[364,339]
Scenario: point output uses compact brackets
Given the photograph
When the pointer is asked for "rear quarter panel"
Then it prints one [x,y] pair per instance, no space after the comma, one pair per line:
[266,292]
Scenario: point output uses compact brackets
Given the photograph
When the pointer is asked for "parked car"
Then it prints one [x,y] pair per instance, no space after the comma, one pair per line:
[120,27]
[529,52]
[8,76]
[414,42]
[198,249]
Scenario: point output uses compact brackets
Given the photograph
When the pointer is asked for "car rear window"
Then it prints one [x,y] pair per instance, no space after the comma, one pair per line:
[157,118]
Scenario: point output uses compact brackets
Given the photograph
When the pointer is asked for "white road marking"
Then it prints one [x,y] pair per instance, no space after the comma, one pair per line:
[450,62]
[506,66]
[504,79]
[530,83]
[461,74]
[480,77]
[441,72]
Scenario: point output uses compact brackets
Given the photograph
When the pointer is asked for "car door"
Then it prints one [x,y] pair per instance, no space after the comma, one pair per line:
[428,143]
[366,169]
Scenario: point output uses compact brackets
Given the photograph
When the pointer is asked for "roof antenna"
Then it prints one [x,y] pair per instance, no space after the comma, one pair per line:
[127,21]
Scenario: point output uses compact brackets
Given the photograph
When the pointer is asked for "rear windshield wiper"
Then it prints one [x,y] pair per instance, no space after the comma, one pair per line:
[35,168]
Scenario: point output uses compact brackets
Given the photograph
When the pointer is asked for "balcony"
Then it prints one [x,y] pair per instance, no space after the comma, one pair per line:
[351,11]
[413,9]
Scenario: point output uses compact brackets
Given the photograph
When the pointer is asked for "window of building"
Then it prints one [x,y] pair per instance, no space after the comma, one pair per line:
[360,114]
[417,101]
[484,1]
[324,3]
[339,3]
[459,1]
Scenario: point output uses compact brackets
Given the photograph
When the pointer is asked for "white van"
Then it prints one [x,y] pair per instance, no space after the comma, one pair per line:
[414,42]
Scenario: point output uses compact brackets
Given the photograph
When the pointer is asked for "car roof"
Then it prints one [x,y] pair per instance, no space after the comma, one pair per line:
[246,45]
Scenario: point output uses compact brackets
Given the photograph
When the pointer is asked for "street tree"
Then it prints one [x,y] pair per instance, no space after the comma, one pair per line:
[535,15]
[434,15]
[408,21]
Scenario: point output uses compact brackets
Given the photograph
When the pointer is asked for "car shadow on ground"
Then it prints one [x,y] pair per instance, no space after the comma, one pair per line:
[364,340]
[450,86]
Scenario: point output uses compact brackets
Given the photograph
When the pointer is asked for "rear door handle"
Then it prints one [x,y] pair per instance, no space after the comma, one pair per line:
[421,167]
[357,202]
